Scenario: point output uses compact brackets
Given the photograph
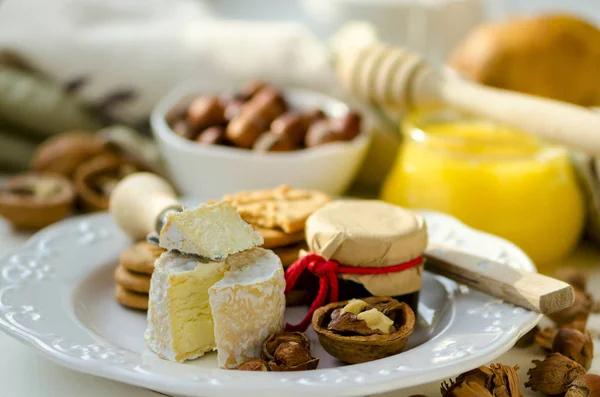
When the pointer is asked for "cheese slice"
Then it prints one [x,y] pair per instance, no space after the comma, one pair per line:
[247,305]
[180,323]
[198,305]
[213,231]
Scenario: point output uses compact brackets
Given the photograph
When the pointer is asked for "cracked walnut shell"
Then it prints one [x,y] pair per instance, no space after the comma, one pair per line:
[354,349]
[95,179]
[64,153]
[36,200]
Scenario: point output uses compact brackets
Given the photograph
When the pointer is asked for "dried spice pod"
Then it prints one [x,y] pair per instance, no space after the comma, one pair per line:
[554,374]
[528,339]
[585,386]
[254,364]
[498,380]
[545,337]
[572,276]
[35,200]
[95,179]
[63,153]
[576,345]
[289,351]
[580,310]
[354,349]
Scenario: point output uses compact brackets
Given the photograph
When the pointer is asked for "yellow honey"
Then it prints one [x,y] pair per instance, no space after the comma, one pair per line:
[492,178]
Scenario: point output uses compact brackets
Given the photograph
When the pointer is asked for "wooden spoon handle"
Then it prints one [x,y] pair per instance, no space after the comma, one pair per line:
[529,290]
[137,202]
[551,120]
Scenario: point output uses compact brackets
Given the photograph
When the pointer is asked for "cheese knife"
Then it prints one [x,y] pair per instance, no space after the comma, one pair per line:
[140,203]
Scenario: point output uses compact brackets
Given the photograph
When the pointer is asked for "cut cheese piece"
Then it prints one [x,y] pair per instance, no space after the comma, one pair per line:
[248,305]
[198,305]
[213,231]
[180,323]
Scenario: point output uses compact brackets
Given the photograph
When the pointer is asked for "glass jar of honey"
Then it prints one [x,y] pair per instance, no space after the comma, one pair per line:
[492,178]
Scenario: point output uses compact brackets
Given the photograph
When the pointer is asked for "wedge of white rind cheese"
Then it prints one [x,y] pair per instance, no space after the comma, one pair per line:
[248,305]
[180,323]
[213,231]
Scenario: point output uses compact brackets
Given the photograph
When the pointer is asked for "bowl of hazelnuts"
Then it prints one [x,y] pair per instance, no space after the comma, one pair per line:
[218,139]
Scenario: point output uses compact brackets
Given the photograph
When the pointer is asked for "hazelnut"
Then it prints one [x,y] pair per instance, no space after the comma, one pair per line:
[554,374]
[36,200]
[289,126]
[585,386]
[182,129]
[580,310]
[269,142]
[289,351]
[212,135]
[575,345]
[348,126]
[528,339]
[545,337]
[255,117]
[63,153]
[573,276]
[253,364]
[205,112]
[251,88]
[233,108]
[291,354]
[320,133]
[311,116]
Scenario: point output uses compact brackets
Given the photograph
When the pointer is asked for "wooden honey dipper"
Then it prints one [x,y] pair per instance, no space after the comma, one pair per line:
[393,76]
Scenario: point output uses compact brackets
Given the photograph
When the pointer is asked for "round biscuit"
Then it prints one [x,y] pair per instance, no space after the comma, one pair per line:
[131,299]
[135,282]
[289,254]
[140,257]
[275,238]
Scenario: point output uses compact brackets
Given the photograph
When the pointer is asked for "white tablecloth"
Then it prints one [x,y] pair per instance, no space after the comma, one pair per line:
[25,373]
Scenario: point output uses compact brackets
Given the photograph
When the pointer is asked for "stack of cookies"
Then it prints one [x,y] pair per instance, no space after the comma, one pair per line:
[279,215]
[133,274]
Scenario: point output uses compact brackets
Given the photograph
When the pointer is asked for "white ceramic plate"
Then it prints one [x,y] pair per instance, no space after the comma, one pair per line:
[56,295]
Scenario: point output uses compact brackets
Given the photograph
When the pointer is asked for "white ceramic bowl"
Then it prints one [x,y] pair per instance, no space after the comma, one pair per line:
[212,171]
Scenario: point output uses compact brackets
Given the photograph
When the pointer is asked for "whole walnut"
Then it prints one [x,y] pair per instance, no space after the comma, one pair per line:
[554,374]
[64,153]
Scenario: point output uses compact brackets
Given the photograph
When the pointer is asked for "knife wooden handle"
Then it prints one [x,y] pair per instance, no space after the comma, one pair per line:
[529,290]
[137,202]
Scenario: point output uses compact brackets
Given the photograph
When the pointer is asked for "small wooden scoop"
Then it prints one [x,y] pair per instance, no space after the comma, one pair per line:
[393,76]
[140,202]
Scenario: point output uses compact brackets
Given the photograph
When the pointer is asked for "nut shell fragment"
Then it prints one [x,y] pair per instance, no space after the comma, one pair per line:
[289,351]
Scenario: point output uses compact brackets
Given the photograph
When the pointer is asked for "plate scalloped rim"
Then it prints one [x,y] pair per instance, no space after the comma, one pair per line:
[46,321]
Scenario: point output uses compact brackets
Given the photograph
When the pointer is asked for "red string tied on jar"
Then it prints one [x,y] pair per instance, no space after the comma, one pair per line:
[327,270]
